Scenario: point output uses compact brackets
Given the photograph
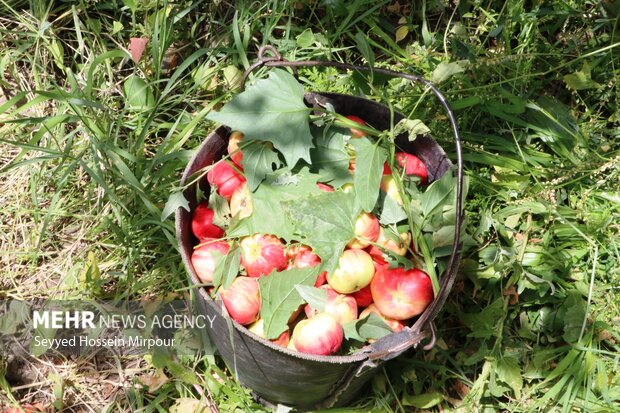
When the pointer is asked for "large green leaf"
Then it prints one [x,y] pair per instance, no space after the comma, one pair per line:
[509,371]
[259,159]
[316,297]
[138,93]
[325,222]
[268,216]
[272,110]
[329,156]
[221,209]
[555,125]
[484,324]
[573,312]
[391,212]
[371,327]
[280,299]
[444,70]
[369,160]
[175,201]
[438,194]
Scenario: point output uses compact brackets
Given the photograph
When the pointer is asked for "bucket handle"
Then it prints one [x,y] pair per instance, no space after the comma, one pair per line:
[395,344]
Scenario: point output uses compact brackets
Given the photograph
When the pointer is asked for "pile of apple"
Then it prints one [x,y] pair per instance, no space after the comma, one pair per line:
[363,282]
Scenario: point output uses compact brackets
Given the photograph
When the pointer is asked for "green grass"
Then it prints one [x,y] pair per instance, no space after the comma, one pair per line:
[92,145]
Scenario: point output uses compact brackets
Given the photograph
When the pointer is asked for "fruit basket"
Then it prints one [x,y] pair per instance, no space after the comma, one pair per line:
[280,375]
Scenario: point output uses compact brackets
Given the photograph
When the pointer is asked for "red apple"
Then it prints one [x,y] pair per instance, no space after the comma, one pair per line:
[395,325]
[386,169]
[363,297]
[202,223]
[242,300]
[241,202]
[321,279]
[203,259]
[366,231]
[321,335]
[233,148]
[398,244]
[258,328]
[261,254]
[401,294]
[226,178]
[342,307]
[413,166]
[354,272]
[390,187]
[377,255]
[356,133]
[324,187]
[303,257]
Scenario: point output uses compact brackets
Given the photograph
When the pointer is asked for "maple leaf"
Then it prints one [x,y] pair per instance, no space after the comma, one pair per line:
[272,110]
[268,216]
[325,222]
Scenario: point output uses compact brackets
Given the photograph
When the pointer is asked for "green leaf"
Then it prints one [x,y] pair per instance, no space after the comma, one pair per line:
[316,297]
[395,260]
[138,93]
[427,36]
[183,373]
[175,201]
[226,267]
[17,314]
[581,79]
[444,71]
[280,299]
[423,401]
[555,124]
[401,33]
[305,39]
[413,127]
[232,76]
[362,45]
[259,159]
[369,160]
[221,209]
[325,222]
[117,27]
[391,211]
[329,156]
[438,194]
[443,237]
[58,53]
[509,372]
[268,216]
[272,110]
[574,312]
[484,323]
[371,327]
[42,344]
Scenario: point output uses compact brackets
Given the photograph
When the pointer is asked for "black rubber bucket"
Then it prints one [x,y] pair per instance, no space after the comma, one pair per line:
[281,376]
